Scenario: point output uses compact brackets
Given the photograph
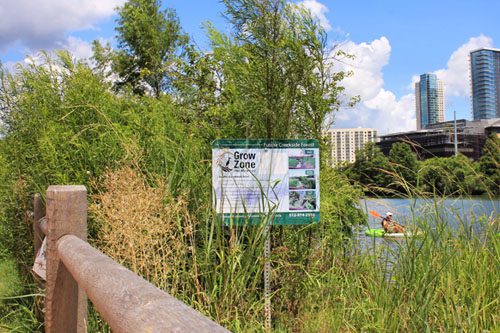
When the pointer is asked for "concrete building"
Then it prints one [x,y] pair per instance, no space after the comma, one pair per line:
[429,100]
[485,83]
[346,141]
[438,140]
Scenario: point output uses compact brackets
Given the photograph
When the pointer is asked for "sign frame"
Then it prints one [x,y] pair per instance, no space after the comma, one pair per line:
[285,169]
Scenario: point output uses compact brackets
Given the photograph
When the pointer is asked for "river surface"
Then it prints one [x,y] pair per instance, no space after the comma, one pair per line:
[455,212]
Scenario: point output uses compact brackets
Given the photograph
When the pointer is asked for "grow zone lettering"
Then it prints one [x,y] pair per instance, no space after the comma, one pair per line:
[244,160]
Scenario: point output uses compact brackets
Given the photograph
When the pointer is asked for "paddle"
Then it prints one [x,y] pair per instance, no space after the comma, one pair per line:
[374,214]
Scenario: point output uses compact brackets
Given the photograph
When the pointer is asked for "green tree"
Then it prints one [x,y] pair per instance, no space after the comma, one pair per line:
[432,177]
[404,165]
[150,43]
[489,163]
[455,175]
[371,168]
[275,74]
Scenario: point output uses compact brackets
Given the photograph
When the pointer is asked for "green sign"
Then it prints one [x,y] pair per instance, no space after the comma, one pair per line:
[266,180]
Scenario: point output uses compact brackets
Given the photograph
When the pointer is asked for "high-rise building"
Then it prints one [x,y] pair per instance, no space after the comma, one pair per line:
[346,141]
[485,83]
[429,100]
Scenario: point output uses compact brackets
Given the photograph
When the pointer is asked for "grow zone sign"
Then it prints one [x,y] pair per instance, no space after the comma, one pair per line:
[254,179]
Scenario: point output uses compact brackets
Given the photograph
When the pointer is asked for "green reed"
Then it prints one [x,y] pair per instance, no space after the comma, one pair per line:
[148,168]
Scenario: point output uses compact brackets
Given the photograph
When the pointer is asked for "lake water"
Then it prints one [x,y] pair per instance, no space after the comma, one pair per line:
[456,212]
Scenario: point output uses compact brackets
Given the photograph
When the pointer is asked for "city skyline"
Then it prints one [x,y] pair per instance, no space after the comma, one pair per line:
[392,45]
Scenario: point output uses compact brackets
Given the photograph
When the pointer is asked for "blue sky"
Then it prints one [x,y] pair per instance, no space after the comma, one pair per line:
[393,41]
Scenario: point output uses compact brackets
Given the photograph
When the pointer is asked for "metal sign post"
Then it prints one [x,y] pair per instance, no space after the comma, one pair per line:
[267,277]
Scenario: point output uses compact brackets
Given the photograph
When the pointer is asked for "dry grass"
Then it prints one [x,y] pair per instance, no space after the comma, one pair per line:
[143,227]
[201,262]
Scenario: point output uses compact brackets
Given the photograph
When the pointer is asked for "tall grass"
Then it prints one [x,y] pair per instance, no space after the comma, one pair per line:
[148,174]
[443,282]
[17,310]
[214,268]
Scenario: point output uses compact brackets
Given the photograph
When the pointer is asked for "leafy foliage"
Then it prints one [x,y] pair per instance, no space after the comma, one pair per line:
[489,163]
[404,163]
[64,122]
[150,43]
[144,154]
[453,175]
[274,74]
[371,168]
[401,174]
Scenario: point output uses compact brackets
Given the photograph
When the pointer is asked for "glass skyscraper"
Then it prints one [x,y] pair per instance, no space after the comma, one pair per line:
[429,100]
[485,83]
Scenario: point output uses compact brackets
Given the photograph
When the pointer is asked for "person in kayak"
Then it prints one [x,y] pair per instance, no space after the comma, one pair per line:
[390,226]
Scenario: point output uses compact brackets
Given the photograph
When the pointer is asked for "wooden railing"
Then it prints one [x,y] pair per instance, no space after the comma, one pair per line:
[75,270]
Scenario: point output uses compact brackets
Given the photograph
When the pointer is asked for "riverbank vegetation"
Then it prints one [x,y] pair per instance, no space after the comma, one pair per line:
[401,173]
[135,127]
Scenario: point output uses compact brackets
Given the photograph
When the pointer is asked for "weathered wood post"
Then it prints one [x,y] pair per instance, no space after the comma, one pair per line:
[38,213]
[65,302]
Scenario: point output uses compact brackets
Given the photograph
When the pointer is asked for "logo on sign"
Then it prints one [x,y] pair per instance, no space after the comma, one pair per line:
[224,161]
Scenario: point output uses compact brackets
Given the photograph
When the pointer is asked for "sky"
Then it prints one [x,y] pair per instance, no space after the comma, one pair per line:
[393,42]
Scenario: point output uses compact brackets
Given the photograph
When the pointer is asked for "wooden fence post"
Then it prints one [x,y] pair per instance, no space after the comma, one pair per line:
[38,213]
[65,302]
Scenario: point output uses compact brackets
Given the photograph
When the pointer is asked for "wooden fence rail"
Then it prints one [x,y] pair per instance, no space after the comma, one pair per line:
[75,270]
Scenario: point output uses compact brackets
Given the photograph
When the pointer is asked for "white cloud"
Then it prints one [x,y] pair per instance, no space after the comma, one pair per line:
[414,79]
[394,115]
[369,59]
[10,66]
[318,11]
[79,48]
[378,108]
[45,23]
[456,75]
